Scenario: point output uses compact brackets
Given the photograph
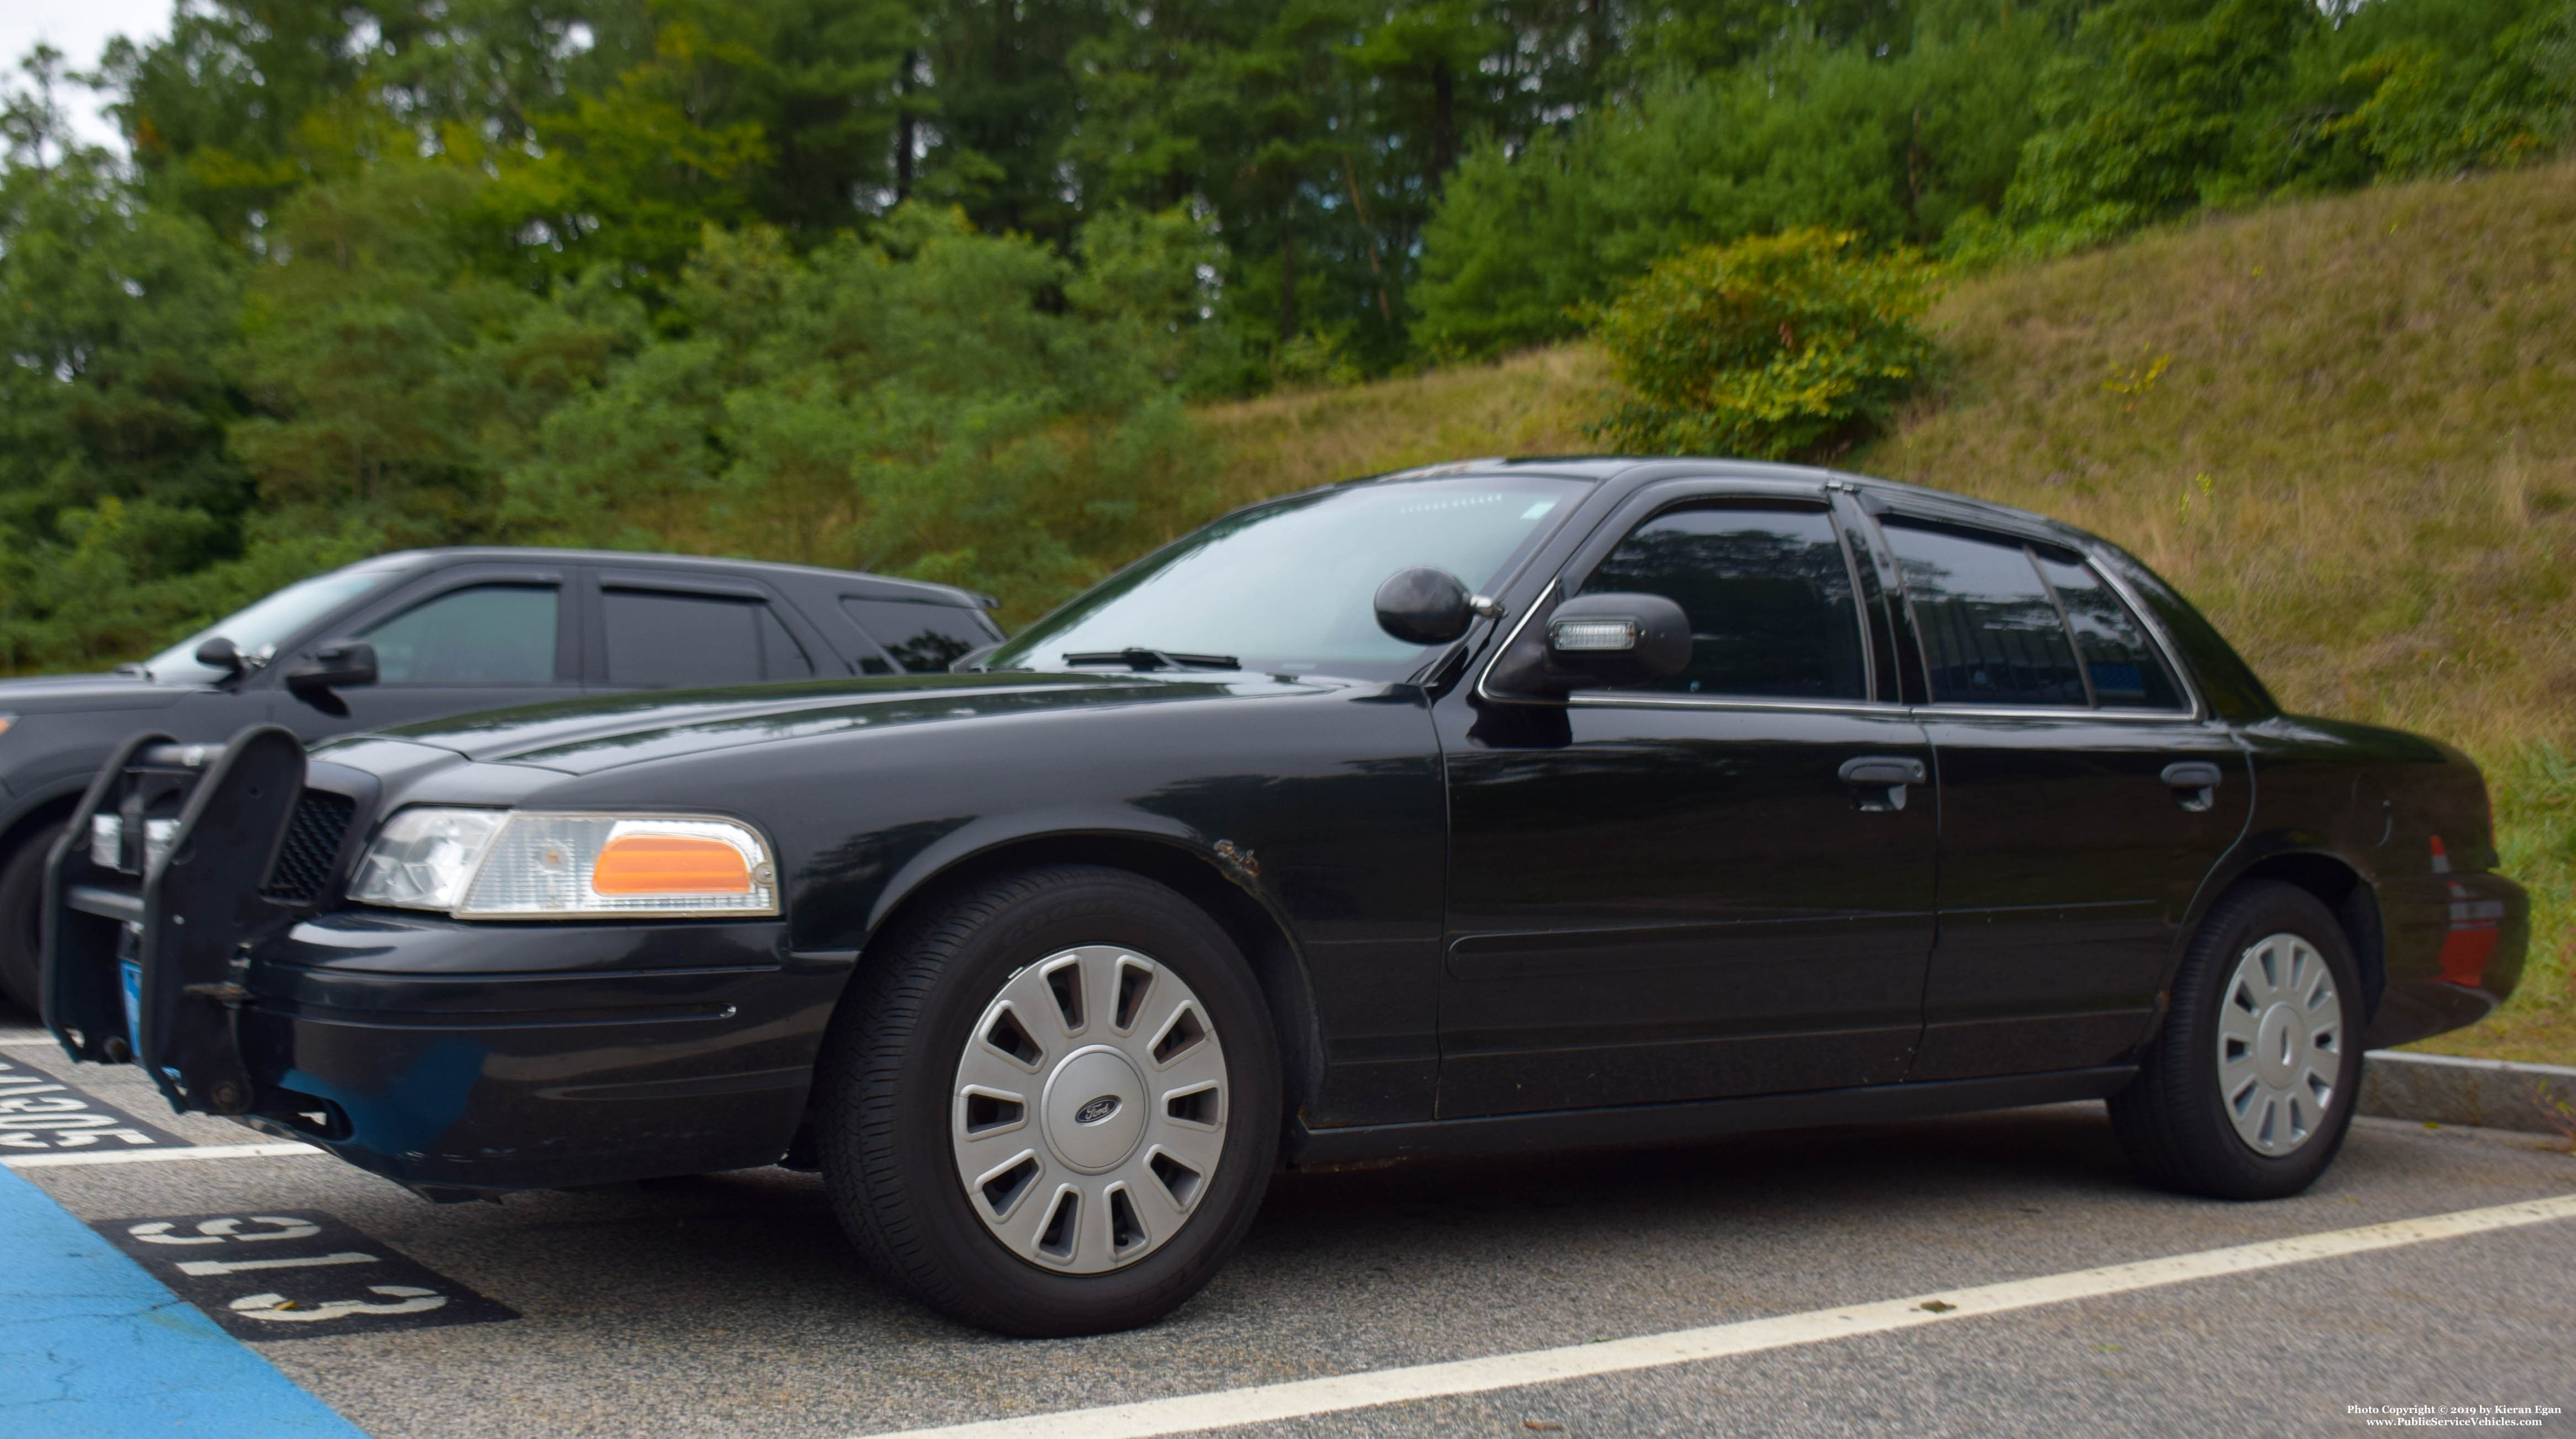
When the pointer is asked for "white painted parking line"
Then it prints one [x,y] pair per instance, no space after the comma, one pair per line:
[154,1156]
[1268,1403]
[25,1041]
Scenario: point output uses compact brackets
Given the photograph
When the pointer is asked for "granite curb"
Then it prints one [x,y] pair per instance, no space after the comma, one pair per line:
[2490,1093]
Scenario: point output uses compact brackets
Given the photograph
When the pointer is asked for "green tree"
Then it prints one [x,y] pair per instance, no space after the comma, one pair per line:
[1897,148]
[113,477]
[390,383]
[932,401]
[2144,111]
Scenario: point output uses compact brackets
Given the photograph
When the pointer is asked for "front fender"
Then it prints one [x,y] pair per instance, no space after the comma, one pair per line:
[986,835]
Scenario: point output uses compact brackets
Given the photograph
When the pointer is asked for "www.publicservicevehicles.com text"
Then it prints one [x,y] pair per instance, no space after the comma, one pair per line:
[2452,1416]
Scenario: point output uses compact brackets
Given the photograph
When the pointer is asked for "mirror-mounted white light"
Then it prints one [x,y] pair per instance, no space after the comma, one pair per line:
[1593,636]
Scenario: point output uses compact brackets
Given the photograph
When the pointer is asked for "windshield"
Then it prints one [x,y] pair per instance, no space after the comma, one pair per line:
[258,630]
[1290,587]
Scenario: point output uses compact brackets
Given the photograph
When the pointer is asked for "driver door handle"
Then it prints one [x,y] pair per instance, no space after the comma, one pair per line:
[1878,781]
[1878,771]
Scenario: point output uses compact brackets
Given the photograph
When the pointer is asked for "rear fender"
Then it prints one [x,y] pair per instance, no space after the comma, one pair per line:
[2340,881]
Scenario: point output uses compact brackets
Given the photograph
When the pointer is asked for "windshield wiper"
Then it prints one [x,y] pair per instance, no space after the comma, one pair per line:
[1145,659]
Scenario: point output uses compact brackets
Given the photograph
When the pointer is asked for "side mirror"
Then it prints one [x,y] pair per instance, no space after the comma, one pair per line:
[223,654]
[337,664]
[1617,639]
[1428,606]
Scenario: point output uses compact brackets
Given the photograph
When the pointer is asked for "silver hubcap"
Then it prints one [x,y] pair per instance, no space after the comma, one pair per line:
[1089,1109]
[2280,1043]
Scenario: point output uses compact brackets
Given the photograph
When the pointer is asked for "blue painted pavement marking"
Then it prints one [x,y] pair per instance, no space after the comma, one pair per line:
[90,1344]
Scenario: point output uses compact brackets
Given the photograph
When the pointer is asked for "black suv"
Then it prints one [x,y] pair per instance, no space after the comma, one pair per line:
[428,633]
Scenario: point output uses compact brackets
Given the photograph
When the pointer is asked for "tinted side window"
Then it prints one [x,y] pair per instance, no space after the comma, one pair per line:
[485,635]
[923,638]
[658,640]
[1768,595]
[2127,674]
[1991,632]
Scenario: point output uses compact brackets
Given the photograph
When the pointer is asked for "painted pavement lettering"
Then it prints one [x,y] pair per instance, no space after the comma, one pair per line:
[41,1113]
[294,1273]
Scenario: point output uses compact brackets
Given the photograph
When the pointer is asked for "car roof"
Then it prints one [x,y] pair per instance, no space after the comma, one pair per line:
[855,582]
[1630,471]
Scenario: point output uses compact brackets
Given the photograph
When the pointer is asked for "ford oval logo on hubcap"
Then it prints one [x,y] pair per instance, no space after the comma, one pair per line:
[1097,1110]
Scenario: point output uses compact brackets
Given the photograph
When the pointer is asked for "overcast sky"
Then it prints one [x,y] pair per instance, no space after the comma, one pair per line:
[80,29]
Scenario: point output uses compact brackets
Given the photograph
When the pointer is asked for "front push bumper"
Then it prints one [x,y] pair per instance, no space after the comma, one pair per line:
[452,1057]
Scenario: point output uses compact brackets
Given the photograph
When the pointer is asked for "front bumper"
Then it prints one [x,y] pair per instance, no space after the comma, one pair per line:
[483,1056]
[447,1056]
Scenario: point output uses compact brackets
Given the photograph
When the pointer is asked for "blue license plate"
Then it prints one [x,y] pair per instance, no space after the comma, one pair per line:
[130,975]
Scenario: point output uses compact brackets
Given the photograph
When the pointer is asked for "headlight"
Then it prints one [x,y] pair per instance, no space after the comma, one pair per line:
[107,841]
[513,864]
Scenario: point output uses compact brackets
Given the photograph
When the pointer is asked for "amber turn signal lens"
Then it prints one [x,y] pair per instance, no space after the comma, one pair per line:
[670,864]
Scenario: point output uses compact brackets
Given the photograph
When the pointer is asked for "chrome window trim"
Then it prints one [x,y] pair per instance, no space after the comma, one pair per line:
[1535,605]
[1623,699]
[1957,712]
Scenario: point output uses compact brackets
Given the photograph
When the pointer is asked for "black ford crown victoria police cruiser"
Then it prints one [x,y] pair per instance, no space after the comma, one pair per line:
[1505,805]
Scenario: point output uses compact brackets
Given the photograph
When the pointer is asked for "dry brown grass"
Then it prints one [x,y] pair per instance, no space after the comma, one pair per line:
[2359,455]
[2346,428]
[1530,404]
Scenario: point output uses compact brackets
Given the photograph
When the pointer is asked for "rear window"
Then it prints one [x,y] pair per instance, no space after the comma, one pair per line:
[1990,628]
[924,638]
[658,640]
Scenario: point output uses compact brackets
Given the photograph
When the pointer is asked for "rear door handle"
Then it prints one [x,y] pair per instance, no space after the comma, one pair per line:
[1878,771]
[2195,784]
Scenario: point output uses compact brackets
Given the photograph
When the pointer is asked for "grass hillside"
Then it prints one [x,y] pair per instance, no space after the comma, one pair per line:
[2346,428]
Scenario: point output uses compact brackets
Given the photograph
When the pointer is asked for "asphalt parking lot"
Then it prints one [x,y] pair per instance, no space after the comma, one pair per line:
[728,1305]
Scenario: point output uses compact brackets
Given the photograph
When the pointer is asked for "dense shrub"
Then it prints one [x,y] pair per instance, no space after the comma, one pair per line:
[1781,347]
[1895,147]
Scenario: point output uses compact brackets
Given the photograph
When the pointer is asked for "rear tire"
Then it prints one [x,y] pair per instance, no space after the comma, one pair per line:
[22,892]
[2249,1088]
[905,1100]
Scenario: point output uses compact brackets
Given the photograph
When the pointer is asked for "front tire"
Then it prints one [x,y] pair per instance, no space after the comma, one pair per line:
[1050,1105]
[2249,1088]
[22,891]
